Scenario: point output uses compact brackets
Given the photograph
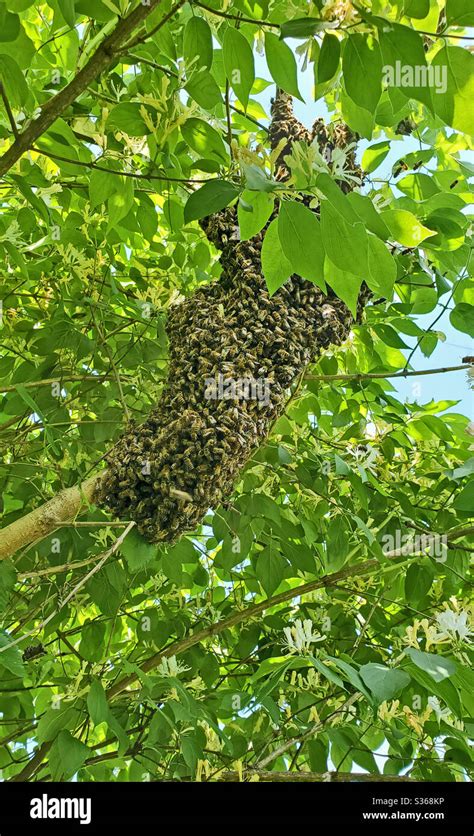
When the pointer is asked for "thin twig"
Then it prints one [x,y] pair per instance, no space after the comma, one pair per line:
[383,375]
[50,381]
[73,592]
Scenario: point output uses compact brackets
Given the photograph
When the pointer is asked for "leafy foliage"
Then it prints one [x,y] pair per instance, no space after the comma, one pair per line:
[168,662]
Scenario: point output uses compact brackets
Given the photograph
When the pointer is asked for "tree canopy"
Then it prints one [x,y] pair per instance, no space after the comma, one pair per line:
[318,619]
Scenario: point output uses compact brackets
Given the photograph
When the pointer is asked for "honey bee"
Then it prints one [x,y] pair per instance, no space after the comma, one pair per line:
[197,446]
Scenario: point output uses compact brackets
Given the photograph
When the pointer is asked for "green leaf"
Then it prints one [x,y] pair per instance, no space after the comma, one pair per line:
[327,672]
[120,202]
[137,552]
[358,118]
[97,702]
[31,403]
[275,266]
[405,227]
[438,667]
[7,582]
[92,641]
[270,569]
[418,581]
[384,683]
[238,63]
[101,186]
[459,13]
[282,65]
[117,729]
[417,9]
[106,588]
[192,748]
[10,26]
[210,198]
[405,66]
[68,756]
[367,213]
[463,500]
[38,205]
[300,237]
[462,318]
[204,139]
[374,155]
[13,80]
[303,27]
[197,44]
[362,68]
[336,198]
[256,179]
[345,284]
[382,268]
[68,11]
[15,41]
[203,88]
[346,245]
[328,60]
[11,658]
[54,720]
[337,543]
[454,97]
[444,689]
[253,212]
[126,117]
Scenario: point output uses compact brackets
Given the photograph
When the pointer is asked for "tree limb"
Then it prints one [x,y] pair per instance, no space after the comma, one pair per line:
[313,777]
[383,375]
[43,520]
[102,58]
[240,616]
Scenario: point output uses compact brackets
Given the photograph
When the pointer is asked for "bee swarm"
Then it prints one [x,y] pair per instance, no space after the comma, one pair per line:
[168,472]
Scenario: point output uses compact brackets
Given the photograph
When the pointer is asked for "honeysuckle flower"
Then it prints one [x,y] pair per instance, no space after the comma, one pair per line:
[388,710]
[170,667]
[300,636]
[341,10]
[365,455]
[435,705]
[411,634]
[453,625]
[416,721]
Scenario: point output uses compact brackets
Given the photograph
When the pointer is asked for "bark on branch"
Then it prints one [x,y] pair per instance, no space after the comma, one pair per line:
[62,508]
[311,777]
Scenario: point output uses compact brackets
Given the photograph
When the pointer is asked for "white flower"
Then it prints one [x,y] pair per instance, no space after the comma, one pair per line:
[453,625]
[366,456]
[441,713]
[14,235]
[47,193]
[300,636]
[170,667]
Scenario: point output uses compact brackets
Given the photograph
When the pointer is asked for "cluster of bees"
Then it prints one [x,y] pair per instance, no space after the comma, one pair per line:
[185,459]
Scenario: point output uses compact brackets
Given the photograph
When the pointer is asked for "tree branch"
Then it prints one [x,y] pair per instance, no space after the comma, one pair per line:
[102,58]
[383,375]
[63,507]
[313,777]
[32,384]
[238,617]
